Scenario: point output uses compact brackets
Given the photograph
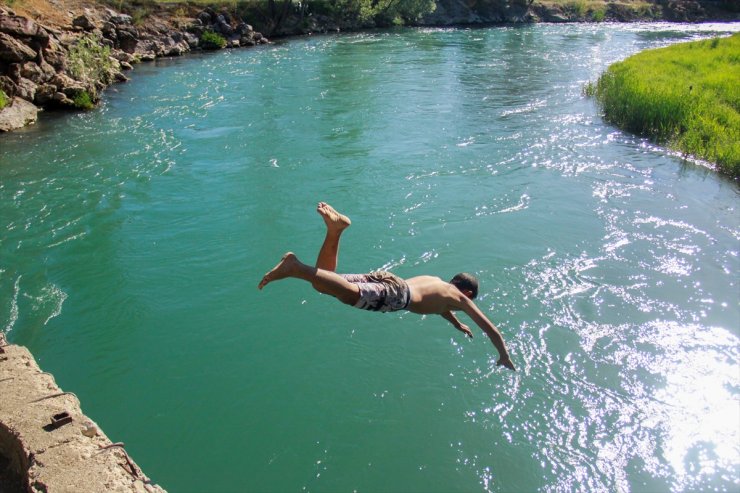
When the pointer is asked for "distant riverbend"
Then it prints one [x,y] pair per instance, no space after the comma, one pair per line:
[134,235]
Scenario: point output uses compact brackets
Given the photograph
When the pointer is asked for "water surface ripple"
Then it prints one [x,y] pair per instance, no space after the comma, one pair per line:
[133,237]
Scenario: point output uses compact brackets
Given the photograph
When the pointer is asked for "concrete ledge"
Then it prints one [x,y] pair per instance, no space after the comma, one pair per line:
[47,444]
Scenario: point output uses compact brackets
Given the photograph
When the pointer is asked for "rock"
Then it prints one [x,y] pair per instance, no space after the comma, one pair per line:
[205,18]
[558,18]
[192,40]
[26,89]
[127,42]
[244,28]
[126,65]
[21,27]
[224,28]
[84,22]
[17,114]
[122,56]
[109,31]
[61,99]
[7,85]
[45,94]
[121,19]
[12,50]
[67,85]
[31,70]
[14,71]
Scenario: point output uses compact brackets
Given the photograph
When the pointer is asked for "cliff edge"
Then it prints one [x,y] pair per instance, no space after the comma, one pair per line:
[48,444]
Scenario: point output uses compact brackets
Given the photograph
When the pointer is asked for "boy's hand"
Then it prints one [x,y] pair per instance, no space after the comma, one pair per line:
[466,330]
[506,361]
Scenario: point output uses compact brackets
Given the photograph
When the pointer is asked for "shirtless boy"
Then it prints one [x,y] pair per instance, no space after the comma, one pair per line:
[383,291]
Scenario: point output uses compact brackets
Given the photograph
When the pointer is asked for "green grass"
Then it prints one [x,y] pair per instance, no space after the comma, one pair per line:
[3,99]
[685,96]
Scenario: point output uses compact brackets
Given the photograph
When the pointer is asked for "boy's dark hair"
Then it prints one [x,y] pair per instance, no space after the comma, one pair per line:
[466,282]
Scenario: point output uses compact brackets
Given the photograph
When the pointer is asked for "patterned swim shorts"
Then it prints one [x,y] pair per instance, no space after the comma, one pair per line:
[380,291]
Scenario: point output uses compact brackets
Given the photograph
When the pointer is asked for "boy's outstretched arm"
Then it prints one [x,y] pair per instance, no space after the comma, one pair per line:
[450,317]
[491,331]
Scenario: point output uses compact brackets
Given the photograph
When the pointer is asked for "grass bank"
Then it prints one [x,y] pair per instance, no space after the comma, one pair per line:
[685,96]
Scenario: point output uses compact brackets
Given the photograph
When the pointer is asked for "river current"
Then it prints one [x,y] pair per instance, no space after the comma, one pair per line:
[134,235]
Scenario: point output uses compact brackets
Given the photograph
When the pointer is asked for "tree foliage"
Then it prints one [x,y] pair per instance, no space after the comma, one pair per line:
[348,12]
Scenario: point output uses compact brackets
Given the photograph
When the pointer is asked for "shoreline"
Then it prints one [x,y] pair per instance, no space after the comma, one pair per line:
[55,62]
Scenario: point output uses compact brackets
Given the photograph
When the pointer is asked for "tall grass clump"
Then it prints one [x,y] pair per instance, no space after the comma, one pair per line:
[685,96]
[3,99]
[90,60]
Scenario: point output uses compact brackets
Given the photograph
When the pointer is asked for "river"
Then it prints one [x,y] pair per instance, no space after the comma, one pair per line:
[134,235]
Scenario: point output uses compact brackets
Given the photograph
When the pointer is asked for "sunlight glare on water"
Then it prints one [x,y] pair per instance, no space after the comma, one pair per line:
[134,236]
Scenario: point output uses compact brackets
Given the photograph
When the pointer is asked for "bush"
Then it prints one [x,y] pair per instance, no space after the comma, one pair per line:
[89,60]
[210,40]
[684,96]
[83,101]
[3,99]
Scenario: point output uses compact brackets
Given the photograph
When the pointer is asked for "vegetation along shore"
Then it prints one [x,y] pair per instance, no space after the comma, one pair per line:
[684,96]
[62,54]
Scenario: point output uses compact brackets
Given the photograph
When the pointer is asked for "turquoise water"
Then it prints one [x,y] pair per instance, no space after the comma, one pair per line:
[133,238]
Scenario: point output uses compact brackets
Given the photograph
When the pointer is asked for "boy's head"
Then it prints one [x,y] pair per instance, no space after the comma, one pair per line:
[466,283]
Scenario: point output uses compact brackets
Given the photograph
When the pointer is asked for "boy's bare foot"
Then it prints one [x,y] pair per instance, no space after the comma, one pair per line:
[334,220]
[283,269]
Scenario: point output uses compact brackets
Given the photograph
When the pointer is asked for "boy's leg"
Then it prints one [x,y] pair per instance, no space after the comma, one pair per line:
[336,223]
[322,280]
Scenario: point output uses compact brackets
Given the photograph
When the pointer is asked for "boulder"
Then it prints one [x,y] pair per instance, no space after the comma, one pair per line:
[67,85]
[17,114]
[121,19]
[7,85]
[84,22]
[26,89]
[224,29]
[122,56]
[31,70]
[45,94]
[12,50]
[109,31]
[61,99]
[205,18]
[22,27]
[127,42]
[244,28]
[192,40]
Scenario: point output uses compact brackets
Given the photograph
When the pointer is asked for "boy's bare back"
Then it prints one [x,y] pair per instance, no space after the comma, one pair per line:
[432,295]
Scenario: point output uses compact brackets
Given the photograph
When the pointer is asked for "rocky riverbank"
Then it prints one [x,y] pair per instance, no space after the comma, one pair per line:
[67,65]
[62,54]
